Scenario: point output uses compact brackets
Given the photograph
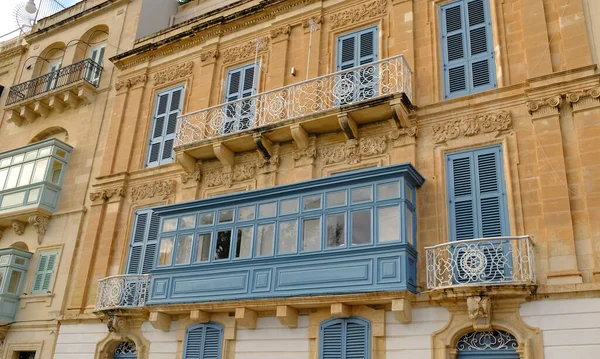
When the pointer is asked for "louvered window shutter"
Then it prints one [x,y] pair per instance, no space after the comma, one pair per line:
[203,341]
[468,54]
[162,138]
[358,48]
[477,195]
[151,244]
[45,272]
[144,240]
[345,339]
[241,83]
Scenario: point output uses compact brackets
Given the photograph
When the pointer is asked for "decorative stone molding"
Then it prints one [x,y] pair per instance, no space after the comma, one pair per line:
[173,73]
[149,190]
[41,224]
[196,175]
[210,54]
[227,175]
[106,194]
[405,131]
[584,98]
[18,227]
[358,13]
[309,152]
[273,161]
[245,50]
[282,30]
[353,150]
[547,106]
[116,323]
[318,20]
[130,82]
[480,311]
[471,125]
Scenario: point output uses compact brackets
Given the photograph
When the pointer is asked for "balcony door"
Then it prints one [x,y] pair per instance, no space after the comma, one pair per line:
[241,83]
[477,209]
[354,51]
[52,76]
[93,70]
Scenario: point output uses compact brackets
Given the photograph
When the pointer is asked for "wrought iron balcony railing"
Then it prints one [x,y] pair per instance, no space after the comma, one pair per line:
[484,261]
[122,292]
[86,70]
[351,86]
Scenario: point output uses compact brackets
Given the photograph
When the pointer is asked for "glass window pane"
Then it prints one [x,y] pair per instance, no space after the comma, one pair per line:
[312,202]
[246,213]
[18,159]
[288,234]
[13,199]
[61,153]
[169,225]
[243,246]
[2,273]
[44,151]
[56,171]
[336,231]
[203,247]
[289,206]
[31,155]
[188,222]
[5,162]
[311,234]
[20,261]
[39,175]
[266,210]
[361,227]
[226,216]
[33,195]
[362,194]
[166,251]
[3,175]
[388,190]
[336,199]
[207,219]
[388,224]
[184,249]
[13,283]
[26,174]
[4,260]
[266,236]
[410,227]
[13,176]
[409,193]
[223,244]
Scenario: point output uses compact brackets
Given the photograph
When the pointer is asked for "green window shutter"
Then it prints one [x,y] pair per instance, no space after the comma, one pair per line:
[143,244]
[44,272]
[164,126]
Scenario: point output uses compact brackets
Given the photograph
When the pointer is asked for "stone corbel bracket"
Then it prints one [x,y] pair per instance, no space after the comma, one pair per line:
[195,175]
[41,225]
[107,194]
[19,227]
[480,311]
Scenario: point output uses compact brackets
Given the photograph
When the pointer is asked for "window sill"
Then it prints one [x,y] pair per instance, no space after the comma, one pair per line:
[27,299]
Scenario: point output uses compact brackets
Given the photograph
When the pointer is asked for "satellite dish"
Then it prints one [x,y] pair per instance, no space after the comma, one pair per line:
[23,18]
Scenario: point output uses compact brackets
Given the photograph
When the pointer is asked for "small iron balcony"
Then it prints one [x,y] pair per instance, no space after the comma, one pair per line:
[375,80]
[127,291]
[481,262]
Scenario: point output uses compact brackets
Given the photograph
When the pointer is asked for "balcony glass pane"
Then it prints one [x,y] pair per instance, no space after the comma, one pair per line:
[3,175]
[188,222]
[289,206]
[5,162]
[45,151]
[362,194]
[266,240]
[336,231]
[311,235]
[13,177]
[20,261]
[335,199]
[39,173]
[32,155]
[26,174]
[18,159]
[169,225]
[166,251]
[388,190]
[56,171]
[388,219]
[207,219]
[361,227]
[267,210]
[4,260]
[226,216]
[13,199]
[288,236]
[203,247]
[312,202]
[243,246]
[2,274]
[184,249]
[410,226]
[246,213]
[408,193]
[33,196]
[13,283]
[223,245]
[61,153]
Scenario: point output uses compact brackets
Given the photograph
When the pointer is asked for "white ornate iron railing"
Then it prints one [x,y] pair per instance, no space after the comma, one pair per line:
[373,80]
[483,261]
[122,291]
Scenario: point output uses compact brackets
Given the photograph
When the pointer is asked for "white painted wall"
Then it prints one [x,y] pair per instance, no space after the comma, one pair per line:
[78,341]
[413,340]
[570,328]
[271,340]
[162,345]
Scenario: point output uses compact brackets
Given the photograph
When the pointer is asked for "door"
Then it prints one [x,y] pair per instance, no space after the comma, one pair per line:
[241,83]
[52,76]
[93,70]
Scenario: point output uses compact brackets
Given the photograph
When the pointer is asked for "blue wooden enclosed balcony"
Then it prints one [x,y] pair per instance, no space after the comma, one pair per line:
[348,233]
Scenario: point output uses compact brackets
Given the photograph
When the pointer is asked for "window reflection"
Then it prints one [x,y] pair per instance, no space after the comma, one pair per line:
[312,202]
[56,171]
[166,251]
[289,206]
[311,234]
[243,246]
[336,231]
[265,240]
[13,283]
[226,216]
[266,210]
[288,234]
[206,219]
[361,227]
[223,245]
[184,249]
[389,224]
[203,247]
[336,199]
[40,171]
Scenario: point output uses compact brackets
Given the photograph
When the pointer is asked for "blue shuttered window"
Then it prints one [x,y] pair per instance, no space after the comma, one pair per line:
[144,242]
[241,83]
[44,273]
[477,194]
[164,126]
[203,341]
[467,46]
[345,339]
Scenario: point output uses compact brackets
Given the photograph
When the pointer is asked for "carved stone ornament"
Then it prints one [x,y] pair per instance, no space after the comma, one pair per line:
[308,152]
[116,324]
[273,161]
[245,50]
[106,194]
[227,176]
[18,227]
[196,175]
[41,225]
[130,81]
[353,150]
[584,98]
[544,106]
[282,30]
[318,20]
[162,189]
[210,54]
[472,125]
[405,131]
[480,311]
[358,13]
[2,232]
[173,73]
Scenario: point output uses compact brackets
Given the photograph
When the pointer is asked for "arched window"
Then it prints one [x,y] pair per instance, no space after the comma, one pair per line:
[347,338]
[203,341]
[496,344]
[125,350]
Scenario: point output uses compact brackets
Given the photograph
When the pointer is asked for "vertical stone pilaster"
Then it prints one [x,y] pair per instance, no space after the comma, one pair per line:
[280,37]
[403,31]
[131,116]
[315,45]
[114,131]
[206,81]
[575,40]
[535,38]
